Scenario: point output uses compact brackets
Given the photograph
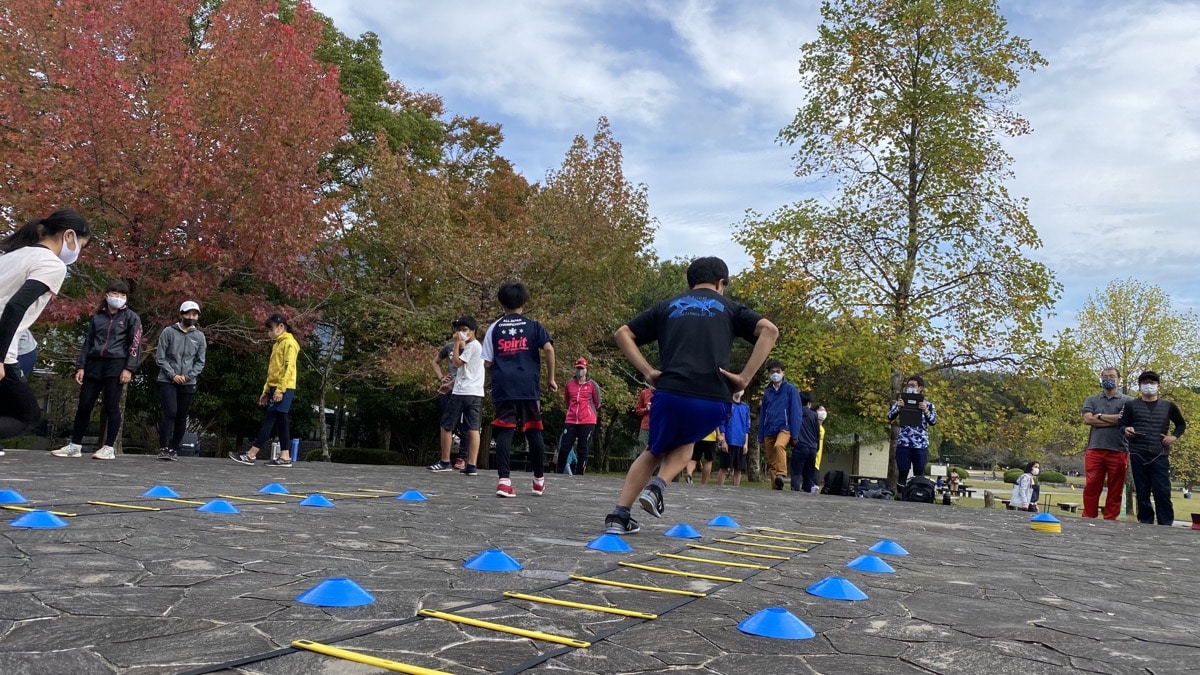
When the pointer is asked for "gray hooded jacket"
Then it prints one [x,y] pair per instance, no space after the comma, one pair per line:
[180,353]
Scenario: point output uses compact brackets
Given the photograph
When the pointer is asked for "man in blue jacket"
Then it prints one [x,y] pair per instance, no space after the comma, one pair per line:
[779,421]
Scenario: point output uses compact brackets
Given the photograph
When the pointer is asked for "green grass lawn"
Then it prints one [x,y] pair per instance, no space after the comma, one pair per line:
[1183,507]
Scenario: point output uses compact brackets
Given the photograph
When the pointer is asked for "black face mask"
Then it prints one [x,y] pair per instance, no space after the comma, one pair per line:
[187,323]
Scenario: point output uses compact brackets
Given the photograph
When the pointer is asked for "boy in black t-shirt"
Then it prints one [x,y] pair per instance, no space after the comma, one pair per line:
[511,352]
[693,389]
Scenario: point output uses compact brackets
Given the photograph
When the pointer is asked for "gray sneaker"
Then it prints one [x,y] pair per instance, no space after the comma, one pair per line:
[241,458]
[651,501]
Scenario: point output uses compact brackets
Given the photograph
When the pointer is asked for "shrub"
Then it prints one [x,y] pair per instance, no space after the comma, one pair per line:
[356,456]
[1051,477]
[1011,475]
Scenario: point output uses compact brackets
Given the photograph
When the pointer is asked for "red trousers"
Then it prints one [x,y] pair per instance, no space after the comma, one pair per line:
[1100,465]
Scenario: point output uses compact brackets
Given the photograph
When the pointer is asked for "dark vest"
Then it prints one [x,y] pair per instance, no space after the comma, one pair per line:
[1150,424]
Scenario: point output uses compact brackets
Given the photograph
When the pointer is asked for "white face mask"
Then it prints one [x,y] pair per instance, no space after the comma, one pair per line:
[821,415]
[580,373]
[465,335]
[777,377]
[1150,389]
[115,302]
[66,254]
[1035,471]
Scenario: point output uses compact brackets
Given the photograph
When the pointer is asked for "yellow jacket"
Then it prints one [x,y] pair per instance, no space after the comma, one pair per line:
[281,371]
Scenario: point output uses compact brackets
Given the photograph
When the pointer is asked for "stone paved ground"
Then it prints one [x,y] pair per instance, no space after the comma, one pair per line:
[178,591]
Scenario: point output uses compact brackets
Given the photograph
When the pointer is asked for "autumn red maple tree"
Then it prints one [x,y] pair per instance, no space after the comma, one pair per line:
[189,133]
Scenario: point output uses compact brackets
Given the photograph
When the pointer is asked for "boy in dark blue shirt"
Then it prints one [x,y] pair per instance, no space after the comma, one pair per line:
[735,432]
[511,349]
[695,332]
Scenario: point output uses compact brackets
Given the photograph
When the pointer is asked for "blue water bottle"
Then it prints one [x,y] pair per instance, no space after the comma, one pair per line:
[295,449]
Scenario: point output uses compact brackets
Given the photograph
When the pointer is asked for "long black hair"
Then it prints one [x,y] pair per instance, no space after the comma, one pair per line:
[35,230]
[278,319]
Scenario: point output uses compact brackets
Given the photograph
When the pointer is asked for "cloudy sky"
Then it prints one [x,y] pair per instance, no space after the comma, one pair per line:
[697,90]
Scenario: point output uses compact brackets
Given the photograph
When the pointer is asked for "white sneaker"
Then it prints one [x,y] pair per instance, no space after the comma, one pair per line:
[68,450]
[105,452]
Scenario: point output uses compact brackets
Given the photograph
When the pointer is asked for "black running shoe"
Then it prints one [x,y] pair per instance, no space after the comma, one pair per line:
[778,483]
[651,501]
[614,524]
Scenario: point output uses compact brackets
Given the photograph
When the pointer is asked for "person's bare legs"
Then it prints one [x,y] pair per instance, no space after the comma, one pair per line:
[705,472]
[737,478]
[642,470]
[472,447]
[721,478]
[638,477]
[447,442]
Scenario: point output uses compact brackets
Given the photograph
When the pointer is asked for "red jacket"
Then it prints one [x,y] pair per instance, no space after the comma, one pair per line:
[642,407]
[582,400]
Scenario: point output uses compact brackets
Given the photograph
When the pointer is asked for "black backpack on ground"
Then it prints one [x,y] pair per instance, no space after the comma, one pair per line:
[919,489]
[836,483]
[873,488]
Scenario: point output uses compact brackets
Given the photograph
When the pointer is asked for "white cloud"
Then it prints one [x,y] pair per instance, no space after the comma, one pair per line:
[697,91]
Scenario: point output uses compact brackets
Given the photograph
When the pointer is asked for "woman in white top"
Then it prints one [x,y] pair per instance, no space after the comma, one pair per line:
[1022,494]
[32,270]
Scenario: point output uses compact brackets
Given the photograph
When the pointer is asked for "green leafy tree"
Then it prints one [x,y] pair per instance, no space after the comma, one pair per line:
[922,245]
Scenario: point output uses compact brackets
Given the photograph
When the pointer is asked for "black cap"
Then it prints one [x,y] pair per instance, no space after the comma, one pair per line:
[465,322]
[1148,376]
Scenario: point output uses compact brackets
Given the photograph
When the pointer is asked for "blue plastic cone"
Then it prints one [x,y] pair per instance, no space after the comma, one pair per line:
[778,623]
[870,563]
[1043,518]
[412,496]
[12,497]
[723,521]
[888,547]
[836,588]
[316,500]
[218,506]
[682,531]
[493,560]
[274,489]
[38,520]
[609,543]
[161,491]
[336,592]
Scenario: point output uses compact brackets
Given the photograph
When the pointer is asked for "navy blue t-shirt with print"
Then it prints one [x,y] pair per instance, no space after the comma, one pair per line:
[695,332]
[513,346]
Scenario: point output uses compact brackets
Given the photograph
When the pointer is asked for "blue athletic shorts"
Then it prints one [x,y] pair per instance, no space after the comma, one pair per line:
[680,420]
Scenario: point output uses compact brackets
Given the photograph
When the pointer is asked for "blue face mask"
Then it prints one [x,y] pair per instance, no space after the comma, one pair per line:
[1108,384]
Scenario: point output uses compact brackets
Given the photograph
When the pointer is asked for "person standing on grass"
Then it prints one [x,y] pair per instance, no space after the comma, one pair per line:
[465,405]
[1107,456]
[1024,497]
[1146,422]
[106,363]
[735,432]
[180,358]
[694,331]
[512,350]
[32,270]
[581,397]
[277,394]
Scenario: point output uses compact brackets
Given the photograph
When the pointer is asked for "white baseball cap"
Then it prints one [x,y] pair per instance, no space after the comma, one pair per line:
[189,306]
